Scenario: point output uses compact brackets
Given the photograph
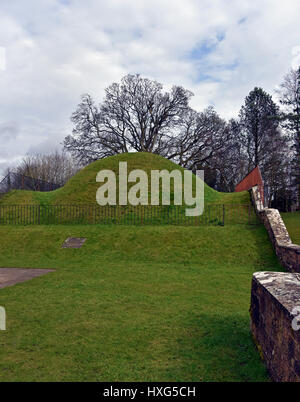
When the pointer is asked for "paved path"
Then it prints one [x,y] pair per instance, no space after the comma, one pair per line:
[11,276]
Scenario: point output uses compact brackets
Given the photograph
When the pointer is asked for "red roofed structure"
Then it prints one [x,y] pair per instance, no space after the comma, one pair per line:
[252,179]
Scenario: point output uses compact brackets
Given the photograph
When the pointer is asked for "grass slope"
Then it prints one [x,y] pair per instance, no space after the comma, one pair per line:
[133,304]
[81,189]
[292,222]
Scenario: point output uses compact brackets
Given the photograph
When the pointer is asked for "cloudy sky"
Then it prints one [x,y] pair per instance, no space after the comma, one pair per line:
[52,51]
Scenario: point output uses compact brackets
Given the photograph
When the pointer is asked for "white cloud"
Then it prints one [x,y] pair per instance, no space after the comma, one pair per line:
[2,58]
[296,56]
[57,50]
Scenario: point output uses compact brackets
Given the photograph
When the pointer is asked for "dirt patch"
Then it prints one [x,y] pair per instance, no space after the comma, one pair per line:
[11,276]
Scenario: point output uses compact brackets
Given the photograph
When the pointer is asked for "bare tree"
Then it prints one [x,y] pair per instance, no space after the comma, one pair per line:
[200,136]
[289,96]
[135,115]
[230,161]
[275,164]
[54,168]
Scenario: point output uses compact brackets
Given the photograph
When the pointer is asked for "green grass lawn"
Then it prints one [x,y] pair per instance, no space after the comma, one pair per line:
[292,222]
[152,303]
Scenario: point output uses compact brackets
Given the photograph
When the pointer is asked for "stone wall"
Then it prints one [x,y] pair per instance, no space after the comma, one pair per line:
[287,252]
[274,311]
[275,300]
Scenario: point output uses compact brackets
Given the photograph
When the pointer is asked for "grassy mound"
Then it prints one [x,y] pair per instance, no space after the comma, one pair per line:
[81,189]
[76,201]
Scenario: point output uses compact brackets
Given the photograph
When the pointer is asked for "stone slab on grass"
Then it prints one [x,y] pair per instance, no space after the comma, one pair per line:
[74,242]
[11,276]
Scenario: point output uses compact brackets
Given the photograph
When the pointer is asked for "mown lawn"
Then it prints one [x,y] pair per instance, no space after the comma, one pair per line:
[145,303]
[292,222]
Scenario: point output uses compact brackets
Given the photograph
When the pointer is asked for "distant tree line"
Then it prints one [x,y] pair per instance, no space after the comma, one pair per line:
[136,115]
[18,181]
[40,172]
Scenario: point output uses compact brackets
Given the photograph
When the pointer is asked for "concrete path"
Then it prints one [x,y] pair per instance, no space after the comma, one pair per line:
[11,276]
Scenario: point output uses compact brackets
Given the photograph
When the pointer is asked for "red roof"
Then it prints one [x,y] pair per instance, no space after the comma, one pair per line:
[252,179]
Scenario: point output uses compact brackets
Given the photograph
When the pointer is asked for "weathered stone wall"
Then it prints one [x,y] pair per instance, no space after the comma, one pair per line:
[287,252]
[275,301]
[275,305]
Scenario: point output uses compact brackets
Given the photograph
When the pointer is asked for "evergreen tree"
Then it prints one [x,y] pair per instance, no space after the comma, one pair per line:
[258,122]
